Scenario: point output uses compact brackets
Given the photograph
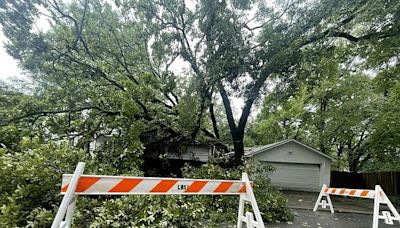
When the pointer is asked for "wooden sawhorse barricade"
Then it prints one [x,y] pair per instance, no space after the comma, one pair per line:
[378,195]
[78,184]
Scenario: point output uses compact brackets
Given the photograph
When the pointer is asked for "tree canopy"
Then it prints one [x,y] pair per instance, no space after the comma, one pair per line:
[101,66]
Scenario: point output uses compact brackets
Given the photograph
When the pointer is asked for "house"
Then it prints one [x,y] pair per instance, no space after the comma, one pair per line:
[95,142]
[165,157]
[193,152]
[297,166]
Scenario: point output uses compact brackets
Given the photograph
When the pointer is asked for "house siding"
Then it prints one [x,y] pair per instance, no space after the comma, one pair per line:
[295,153]
[192,153]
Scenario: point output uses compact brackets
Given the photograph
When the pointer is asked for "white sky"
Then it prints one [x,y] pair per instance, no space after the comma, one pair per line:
[8,65]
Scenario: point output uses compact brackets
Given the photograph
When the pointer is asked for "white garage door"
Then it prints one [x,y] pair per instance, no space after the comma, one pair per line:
[295,176]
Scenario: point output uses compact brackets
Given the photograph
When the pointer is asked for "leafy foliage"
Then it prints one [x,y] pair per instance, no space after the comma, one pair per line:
[31,182]
[331,105]
[101,68]
[272,204]
[110,65]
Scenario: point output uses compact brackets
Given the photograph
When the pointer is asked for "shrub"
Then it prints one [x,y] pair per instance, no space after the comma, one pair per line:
[30,180]
[30,185]
[272,203]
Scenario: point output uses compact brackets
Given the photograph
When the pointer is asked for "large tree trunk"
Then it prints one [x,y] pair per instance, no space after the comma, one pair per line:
[238,147]
[352,157]
[237,132]
[353,164]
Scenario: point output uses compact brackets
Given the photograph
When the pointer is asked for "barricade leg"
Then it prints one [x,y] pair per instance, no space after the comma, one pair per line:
[249,218]
[240,211]
[323,202]
[328,197]
[388,216]
[378,195]
[70,213]
[375,219]
[69,200]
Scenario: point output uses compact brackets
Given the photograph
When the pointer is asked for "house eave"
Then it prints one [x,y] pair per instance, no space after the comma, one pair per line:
[285,142]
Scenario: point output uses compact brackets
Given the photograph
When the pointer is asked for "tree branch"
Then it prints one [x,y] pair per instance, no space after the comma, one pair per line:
[214,120]
[228,108]
[53,112]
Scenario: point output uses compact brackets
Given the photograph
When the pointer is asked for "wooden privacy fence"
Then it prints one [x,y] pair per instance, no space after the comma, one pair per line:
[389,181]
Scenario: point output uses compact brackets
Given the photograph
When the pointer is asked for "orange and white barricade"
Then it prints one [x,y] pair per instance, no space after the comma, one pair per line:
[77,184]
[378,195]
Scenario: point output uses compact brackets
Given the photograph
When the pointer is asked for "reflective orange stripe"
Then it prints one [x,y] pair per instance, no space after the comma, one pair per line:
[364,193]
[126,185]
[64,189]
[164,186]
[243,189]
[352,192]
[333,190]
[196,186]
[223,187]
[342,191]
[83,184]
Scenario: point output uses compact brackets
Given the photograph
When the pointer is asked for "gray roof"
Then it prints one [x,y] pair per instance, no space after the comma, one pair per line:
[250,152]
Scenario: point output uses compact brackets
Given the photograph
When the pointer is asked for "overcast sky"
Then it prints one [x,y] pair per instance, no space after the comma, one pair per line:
[8,65]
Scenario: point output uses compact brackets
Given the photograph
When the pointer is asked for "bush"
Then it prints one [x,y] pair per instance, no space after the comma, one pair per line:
[30,185]
[272,203]
[30,180]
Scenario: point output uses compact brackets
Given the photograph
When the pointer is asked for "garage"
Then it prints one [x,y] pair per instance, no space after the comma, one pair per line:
[297,166]
[291,176]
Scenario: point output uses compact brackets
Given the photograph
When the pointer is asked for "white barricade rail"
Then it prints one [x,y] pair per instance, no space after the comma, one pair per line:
[378,195]
[78,184]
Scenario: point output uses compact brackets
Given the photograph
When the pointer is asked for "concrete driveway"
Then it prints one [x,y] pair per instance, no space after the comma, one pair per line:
[349,212]
[306,200]
[324,219]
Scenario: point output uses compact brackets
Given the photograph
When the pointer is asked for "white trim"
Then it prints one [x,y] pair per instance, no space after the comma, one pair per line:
[153,178]
[277,144]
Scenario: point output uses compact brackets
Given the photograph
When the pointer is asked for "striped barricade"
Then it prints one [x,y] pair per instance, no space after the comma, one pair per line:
[121,185]
[77,184]
[378,195]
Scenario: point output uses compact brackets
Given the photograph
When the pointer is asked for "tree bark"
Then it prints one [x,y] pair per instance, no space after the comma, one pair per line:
[238,147]
[214,121]
[237,132]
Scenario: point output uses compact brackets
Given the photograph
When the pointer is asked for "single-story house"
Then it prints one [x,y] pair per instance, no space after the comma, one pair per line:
[297,166]
[193,152]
